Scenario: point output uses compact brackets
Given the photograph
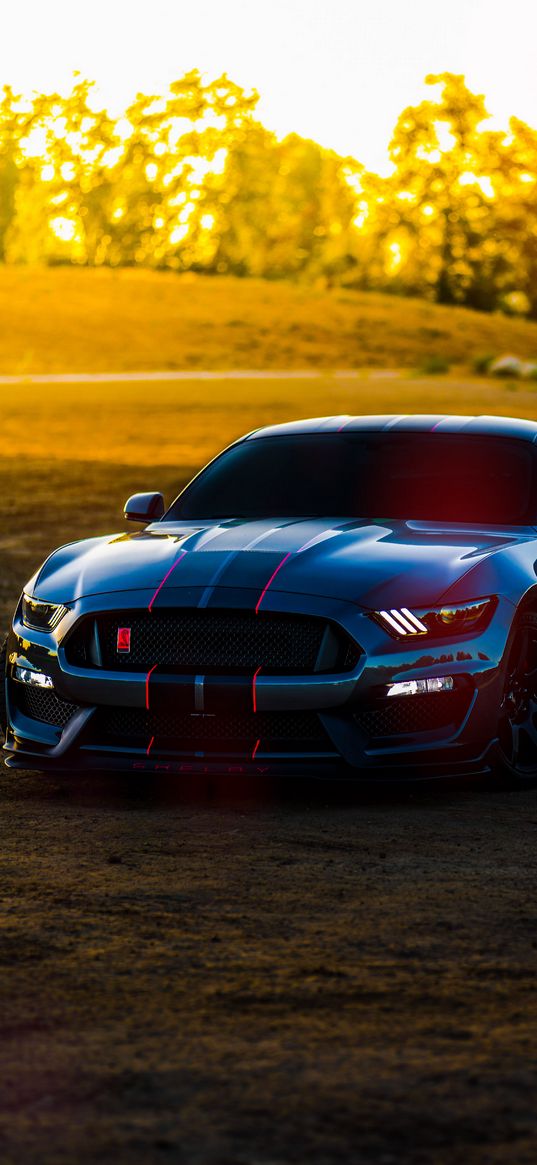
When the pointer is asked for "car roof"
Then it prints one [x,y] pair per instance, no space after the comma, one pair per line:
[409,423]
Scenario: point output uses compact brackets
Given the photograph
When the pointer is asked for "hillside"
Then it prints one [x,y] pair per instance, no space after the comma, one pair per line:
[78,319]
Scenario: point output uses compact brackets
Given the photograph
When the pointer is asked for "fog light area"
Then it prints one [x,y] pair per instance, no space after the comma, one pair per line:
[37,679]
[421,687]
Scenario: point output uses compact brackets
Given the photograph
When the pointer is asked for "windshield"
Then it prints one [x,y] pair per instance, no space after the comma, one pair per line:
[423,476]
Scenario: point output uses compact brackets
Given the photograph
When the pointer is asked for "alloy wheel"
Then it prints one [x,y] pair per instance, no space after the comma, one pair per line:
[518,709]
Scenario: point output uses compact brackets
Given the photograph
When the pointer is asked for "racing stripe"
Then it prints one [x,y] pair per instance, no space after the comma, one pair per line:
[166,577]
[208,592]
[229,558]
[394,421]
[322,537]
[451,420]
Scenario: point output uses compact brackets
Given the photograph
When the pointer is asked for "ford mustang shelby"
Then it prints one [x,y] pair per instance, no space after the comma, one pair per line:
[354,592]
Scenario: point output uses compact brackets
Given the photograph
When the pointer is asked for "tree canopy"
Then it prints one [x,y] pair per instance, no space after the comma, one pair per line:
[191,180]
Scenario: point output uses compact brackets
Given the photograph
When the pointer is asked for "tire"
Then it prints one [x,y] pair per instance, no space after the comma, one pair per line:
[3,709]
[517,726]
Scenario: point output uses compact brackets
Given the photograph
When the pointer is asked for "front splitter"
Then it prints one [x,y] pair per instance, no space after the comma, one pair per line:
[305,767]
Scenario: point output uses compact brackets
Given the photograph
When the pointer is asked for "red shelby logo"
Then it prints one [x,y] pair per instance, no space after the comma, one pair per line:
[123,639]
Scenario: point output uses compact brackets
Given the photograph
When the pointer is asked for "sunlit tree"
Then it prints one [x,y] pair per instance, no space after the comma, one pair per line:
[191,180]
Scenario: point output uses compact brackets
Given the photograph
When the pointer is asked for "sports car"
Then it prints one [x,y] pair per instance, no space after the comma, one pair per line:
[344,594]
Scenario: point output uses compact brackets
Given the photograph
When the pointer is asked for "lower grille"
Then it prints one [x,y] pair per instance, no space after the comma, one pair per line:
[277,731]
[410,715]
[44,705]
[213,642]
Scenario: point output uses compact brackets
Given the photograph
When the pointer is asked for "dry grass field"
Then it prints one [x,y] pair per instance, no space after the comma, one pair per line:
[183,423]
[53,320]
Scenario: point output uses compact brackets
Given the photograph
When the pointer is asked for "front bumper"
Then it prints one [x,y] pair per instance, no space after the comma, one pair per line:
[103,717]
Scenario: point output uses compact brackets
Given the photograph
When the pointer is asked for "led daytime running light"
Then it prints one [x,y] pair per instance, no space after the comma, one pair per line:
[457,619]
[403,622]
[41,616]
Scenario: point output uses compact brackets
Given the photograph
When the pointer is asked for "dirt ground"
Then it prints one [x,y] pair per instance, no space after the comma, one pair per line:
[254,975]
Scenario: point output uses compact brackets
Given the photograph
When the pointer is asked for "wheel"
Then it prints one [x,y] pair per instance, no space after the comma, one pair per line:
[3,709]
[518,709]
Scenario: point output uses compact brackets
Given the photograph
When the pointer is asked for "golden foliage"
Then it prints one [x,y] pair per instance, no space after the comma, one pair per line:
[190,180]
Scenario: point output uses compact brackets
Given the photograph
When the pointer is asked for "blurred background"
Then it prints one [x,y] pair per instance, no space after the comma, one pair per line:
[213,217]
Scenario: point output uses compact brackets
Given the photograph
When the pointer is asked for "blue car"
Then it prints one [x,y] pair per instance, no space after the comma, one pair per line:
[353,594]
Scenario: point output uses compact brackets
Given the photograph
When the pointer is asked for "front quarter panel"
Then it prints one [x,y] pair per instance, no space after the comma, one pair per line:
[510,571]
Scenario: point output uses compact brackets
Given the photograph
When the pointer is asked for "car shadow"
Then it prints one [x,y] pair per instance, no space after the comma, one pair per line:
[237,791]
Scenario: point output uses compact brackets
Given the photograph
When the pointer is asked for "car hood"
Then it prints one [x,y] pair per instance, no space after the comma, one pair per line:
[373,564]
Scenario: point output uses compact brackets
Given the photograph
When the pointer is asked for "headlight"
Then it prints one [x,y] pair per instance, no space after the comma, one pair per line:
[452,619]
[41,616]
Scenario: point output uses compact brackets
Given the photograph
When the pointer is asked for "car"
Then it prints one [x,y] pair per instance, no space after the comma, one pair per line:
[344,595]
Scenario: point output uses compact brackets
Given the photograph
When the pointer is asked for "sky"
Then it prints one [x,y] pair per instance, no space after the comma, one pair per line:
[338,71]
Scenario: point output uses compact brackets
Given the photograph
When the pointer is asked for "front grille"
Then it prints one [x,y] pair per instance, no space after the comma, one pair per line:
[236,733]
[409,715]
[45,705]
[217,642]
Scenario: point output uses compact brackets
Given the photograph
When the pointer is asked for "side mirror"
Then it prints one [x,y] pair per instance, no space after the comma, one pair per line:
[144,508]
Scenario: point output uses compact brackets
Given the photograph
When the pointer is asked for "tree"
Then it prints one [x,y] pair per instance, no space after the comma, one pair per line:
[190,179]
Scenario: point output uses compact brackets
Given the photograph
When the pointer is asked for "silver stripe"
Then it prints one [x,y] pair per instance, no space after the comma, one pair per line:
[261,537]
[210,589]
[208,535]
[199,696]
[394,421]
[322,537]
